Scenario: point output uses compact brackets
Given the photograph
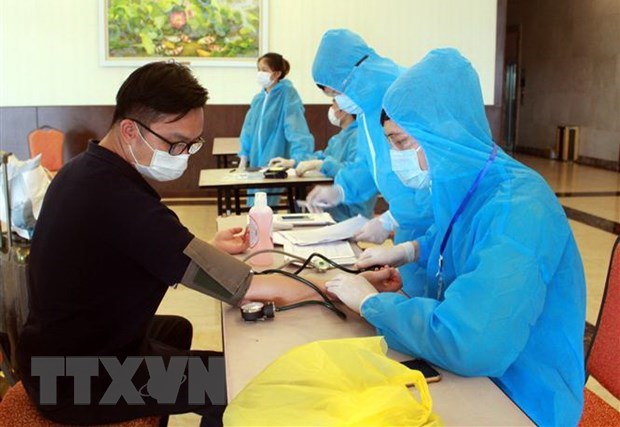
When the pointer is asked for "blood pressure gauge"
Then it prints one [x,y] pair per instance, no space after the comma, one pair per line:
[253,311]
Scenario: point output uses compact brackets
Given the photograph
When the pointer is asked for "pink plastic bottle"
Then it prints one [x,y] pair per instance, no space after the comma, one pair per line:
[260,224]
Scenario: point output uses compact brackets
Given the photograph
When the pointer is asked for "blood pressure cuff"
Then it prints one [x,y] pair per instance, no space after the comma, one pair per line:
[216,273]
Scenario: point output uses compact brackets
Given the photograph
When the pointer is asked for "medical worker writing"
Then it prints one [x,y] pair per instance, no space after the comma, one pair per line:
[275,127]
[504,293]
[358,78]
[340,152]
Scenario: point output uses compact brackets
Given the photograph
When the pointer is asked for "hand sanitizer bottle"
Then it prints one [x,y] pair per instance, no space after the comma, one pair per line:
[260,225]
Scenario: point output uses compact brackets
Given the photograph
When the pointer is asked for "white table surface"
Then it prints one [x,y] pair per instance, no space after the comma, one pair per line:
[210,178]
[249,347]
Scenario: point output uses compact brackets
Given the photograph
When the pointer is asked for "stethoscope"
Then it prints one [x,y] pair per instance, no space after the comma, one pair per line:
[253,311]
[456,215]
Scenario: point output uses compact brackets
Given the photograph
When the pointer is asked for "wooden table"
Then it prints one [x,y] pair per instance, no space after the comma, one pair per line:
[228,182]
[223,148]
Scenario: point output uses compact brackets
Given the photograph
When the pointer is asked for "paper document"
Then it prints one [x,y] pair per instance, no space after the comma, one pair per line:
[278,239]
[245,174]
[304,219]
[340,252]
[341,231]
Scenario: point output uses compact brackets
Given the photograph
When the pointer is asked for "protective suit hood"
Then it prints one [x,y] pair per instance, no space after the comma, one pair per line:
[345,63]
[438,101]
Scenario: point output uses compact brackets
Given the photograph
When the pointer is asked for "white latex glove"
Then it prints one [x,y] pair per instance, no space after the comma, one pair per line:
[351,289]
[377,229]
[324,196]
[281,162]
[308,165]
[243,161]
[394,256]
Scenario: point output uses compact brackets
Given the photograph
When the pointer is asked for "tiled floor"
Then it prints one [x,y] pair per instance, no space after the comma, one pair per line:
[592,196]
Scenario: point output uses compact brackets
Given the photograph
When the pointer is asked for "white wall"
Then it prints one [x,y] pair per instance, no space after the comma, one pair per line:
[50,55]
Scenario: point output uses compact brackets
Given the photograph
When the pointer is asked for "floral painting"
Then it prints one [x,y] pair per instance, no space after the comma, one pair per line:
[197,31]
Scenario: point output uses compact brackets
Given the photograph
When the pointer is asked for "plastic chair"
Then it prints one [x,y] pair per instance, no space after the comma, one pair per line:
[17,410]
[50,143]
[602,358]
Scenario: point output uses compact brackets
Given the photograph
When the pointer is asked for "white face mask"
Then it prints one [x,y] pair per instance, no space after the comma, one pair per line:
[164,166]
[263,78]
[406,166]
[331,115]
[345,103]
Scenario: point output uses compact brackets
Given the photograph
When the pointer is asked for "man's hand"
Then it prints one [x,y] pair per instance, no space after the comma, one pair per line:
[387,279]
[351,289]
[233,241]
[281,162]
[308,165]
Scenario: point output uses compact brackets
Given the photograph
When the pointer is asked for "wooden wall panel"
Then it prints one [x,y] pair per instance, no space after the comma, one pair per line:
[81,123]
[15,125]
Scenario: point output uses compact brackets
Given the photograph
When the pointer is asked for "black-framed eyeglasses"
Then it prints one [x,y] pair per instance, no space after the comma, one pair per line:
[178,147]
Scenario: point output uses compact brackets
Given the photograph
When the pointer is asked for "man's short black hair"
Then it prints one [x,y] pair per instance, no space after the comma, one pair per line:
[156,89]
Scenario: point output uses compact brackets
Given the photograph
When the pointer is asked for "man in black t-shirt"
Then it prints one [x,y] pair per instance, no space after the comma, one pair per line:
[105,250]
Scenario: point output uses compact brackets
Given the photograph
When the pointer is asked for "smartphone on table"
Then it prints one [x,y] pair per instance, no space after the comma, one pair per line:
[430,373]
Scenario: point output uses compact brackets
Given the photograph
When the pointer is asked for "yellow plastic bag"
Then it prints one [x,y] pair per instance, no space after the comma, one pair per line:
[346,382]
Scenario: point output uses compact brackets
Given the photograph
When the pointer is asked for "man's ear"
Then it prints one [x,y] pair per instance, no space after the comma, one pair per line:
[128,130]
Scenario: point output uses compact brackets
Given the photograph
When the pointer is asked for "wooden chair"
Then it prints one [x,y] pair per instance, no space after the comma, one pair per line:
[603,356]
[17,410]
[49,143]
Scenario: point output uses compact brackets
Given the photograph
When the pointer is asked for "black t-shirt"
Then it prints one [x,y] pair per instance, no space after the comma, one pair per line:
[103,253]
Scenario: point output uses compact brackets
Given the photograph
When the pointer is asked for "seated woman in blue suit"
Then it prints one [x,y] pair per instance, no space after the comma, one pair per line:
[504,291]
[340,151]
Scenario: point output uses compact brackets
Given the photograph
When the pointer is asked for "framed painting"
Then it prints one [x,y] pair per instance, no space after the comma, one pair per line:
[199,32]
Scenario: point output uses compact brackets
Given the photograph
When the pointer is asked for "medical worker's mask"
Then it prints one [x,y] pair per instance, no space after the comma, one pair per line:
[406,166]
[263,78]
[164,166]
[345,103]
[331,116]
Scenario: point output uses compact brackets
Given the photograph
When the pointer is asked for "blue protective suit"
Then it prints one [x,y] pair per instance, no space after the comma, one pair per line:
[275,126]
[339,153]
[345,63]
[513,301]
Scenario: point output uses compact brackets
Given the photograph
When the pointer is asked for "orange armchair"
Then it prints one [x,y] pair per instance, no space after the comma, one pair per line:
[50,143]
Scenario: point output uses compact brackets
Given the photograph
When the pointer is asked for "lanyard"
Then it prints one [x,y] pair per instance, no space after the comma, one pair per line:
[458,213]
